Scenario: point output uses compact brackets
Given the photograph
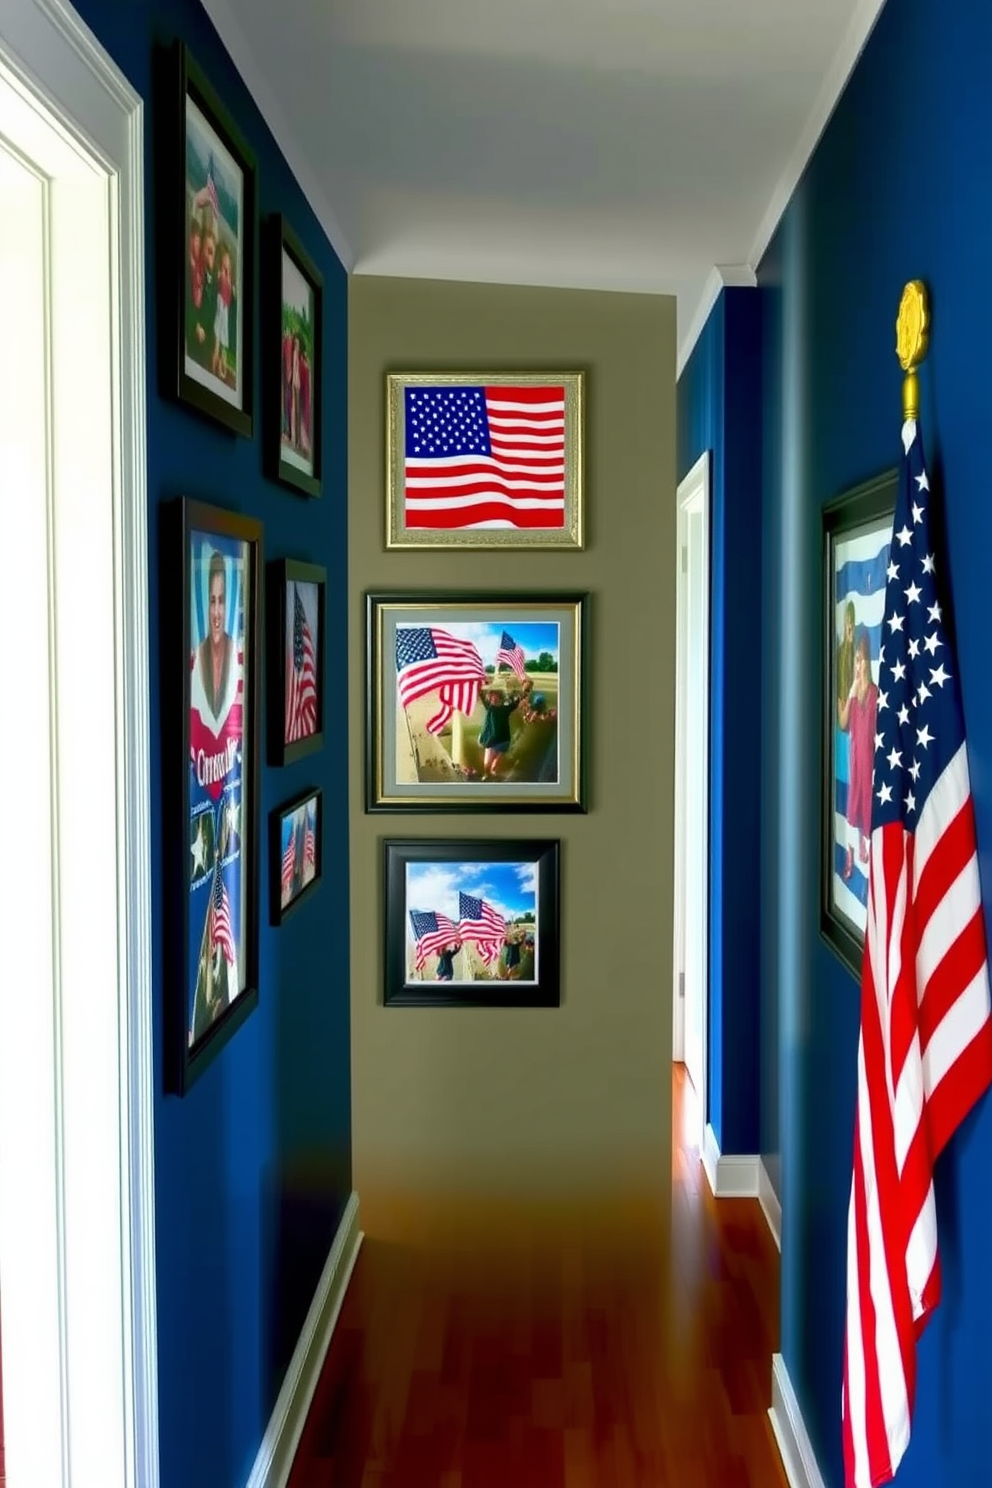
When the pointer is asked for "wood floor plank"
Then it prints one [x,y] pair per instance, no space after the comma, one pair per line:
[534,1350]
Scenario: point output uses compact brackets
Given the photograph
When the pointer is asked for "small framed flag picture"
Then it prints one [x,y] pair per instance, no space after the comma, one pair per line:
[296,839]
[471,923]
[484,460]
[296,603]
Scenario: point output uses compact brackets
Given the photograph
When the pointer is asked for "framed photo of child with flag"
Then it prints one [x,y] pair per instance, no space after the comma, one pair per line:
[211,737]
[475,702]
[857,533]
[484,460]
[471,923]
[296,601]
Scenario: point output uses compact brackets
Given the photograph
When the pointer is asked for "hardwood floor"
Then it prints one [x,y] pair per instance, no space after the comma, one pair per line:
[546,1350]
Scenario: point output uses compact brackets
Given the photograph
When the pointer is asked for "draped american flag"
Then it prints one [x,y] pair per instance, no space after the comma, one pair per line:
[479,922]
[220,916]
[301,679]
[310,845]
[512,654]
[429,659]
[925,1050]
[432,932]
[485,457]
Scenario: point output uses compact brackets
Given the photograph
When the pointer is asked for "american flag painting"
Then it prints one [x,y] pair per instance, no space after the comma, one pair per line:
[511,654]
[431,659]
[431,932]
[925,1047]
[485,456]
[479,922]
[301,665]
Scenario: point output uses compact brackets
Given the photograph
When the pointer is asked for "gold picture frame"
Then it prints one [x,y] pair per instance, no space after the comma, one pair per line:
[469,465]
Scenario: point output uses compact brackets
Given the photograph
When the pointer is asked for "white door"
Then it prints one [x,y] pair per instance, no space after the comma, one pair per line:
[692,777]
[76,1165]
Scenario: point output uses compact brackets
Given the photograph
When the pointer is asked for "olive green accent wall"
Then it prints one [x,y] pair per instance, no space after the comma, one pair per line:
[577,1099]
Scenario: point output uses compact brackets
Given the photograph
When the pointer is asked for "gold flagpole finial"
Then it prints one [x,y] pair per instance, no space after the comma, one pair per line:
[912,340]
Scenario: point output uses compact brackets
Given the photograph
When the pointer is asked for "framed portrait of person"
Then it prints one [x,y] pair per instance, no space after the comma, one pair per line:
[471,923]
[296,845]
[214,245]
[857,534]
[296,602]
[213,742]
[475,702]
[292,360]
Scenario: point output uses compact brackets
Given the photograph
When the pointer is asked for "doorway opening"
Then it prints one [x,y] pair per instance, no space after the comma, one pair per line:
[690,971]
[76,1158]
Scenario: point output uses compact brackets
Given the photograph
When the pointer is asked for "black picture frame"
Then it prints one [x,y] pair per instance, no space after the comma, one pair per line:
[856,531]
[201,124]
[305,843]
[543,769]
[297,659]
[286,459]
[212,564]
[462,866]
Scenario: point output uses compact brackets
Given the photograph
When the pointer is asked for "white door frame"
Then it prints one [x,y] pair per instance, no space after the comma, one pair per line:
[61,85]
[693,497]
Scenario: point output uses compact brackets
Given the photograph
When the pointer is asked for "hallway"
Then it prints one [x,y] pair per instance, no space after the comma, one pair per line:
[554,1351]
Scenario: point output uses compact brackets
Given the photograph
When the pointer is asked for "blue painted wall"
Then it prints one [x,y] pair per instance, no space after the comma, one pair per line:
[897,189]
[253,1167]
[719,409]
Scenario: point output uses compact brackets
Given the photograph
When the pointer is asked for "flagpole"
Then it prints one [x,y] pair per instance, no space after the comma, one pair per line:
[912,342]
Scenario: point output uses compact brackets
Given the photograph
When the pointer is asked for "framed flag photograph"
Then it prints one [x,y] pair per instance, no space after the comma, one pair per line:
[212,253]
[857,532]
[471,923]
[296,602]
[296,838]
[484,460]
[213,746]
[475,702]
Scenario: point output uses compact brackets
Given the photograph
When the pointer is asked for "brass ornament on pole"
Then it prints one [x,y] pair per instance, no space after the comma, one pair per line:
[912,341]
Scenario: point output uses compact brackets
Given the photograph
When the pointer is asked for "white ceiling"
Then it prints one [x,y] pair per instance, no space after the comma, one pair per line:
[643,145]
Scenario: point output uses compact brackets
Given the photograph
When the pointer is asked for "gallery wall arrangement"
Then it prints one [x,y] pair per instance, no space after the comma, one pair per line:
[212,585]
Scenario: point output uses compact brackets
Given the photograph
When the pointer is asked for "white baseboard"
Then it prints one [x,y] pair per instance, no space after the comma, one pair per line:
[769,1201]
[282,1435]
[731,1177]
[794,1444]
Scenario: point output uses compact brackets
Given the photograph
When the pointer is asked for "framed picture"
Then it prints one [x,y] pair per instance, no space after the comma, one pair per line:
[215,253]
[292,380]
[475,702]
[213,738]
[471,924]
[296,609]
[857,531]
[296,842]
[484,460]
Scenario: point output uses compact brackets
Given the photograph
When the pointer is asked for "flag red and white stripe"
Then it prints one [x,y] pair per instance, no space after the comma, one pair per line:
[478,921]
[430,659]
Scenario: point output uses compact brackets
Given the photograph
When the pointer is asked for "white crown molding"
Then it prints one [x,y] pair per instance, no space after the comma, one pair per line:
[862,22]
[855,38]
[769,1201]
[721,276]
[229,30]
[274,1461]
[795,1448]
[732,1177]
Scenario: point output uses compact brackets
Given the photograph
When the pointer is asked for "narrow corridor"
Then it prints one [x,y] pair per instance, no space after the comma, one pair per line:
[547,1350]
